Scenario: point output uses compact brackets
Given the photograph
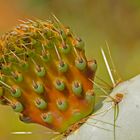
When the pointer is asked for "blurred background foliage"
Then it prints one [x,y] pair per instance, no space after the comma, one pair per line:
[96,21]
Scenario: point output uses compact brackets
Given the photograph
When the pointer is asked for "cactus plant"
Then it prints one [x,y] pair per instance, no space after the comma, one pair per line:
[44,75]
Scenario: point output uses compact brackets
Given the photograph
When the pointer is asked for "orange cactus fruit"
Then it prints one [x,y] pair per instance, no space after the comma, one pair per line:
[44,74]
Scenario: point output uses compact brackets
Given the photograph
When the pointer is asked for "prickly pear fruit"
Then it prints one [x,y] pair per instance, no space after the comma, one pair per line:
[44,74]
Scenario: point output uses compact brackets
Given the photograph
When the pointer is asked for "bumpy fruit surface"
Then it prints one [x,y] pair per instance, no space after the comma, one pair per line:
[44,74]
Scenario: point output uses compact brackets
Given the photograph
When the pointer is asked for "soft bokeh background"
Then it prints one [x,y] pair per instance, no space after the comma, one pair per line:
[96,21]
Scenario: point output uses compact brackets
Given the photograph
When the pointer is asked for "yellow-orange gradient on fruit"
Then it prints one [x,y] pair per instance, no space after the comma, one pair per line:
[44,74]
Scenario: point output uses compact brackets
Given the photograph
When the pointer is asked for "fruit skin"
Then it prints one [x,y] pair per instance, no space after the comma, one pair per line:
[33,56]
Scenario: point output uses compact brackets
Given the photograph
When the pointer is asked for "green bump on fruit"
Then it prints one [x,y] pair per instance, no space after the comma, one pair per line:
[90,98]
[19,78]
[16,92]
[63,67]
[1,91]
[38,88]
[6,69]
[62,105]
[77,88]
[31,53]
[59,85]
[65,49]
[41,72]
[25,66]
[40,103]
[92,65]
[17,107]
[46,56]
[80,63]
[47,117]
[49,33]
[33,41]
[80,44]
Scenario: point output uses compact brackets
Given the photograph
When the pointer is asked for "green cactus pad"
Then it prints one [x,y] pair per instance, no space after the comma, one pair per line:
[44,74]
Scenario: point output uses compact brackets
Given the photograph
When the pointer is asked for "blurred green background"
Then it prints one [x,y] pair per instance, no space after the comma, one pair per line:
[96,21]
